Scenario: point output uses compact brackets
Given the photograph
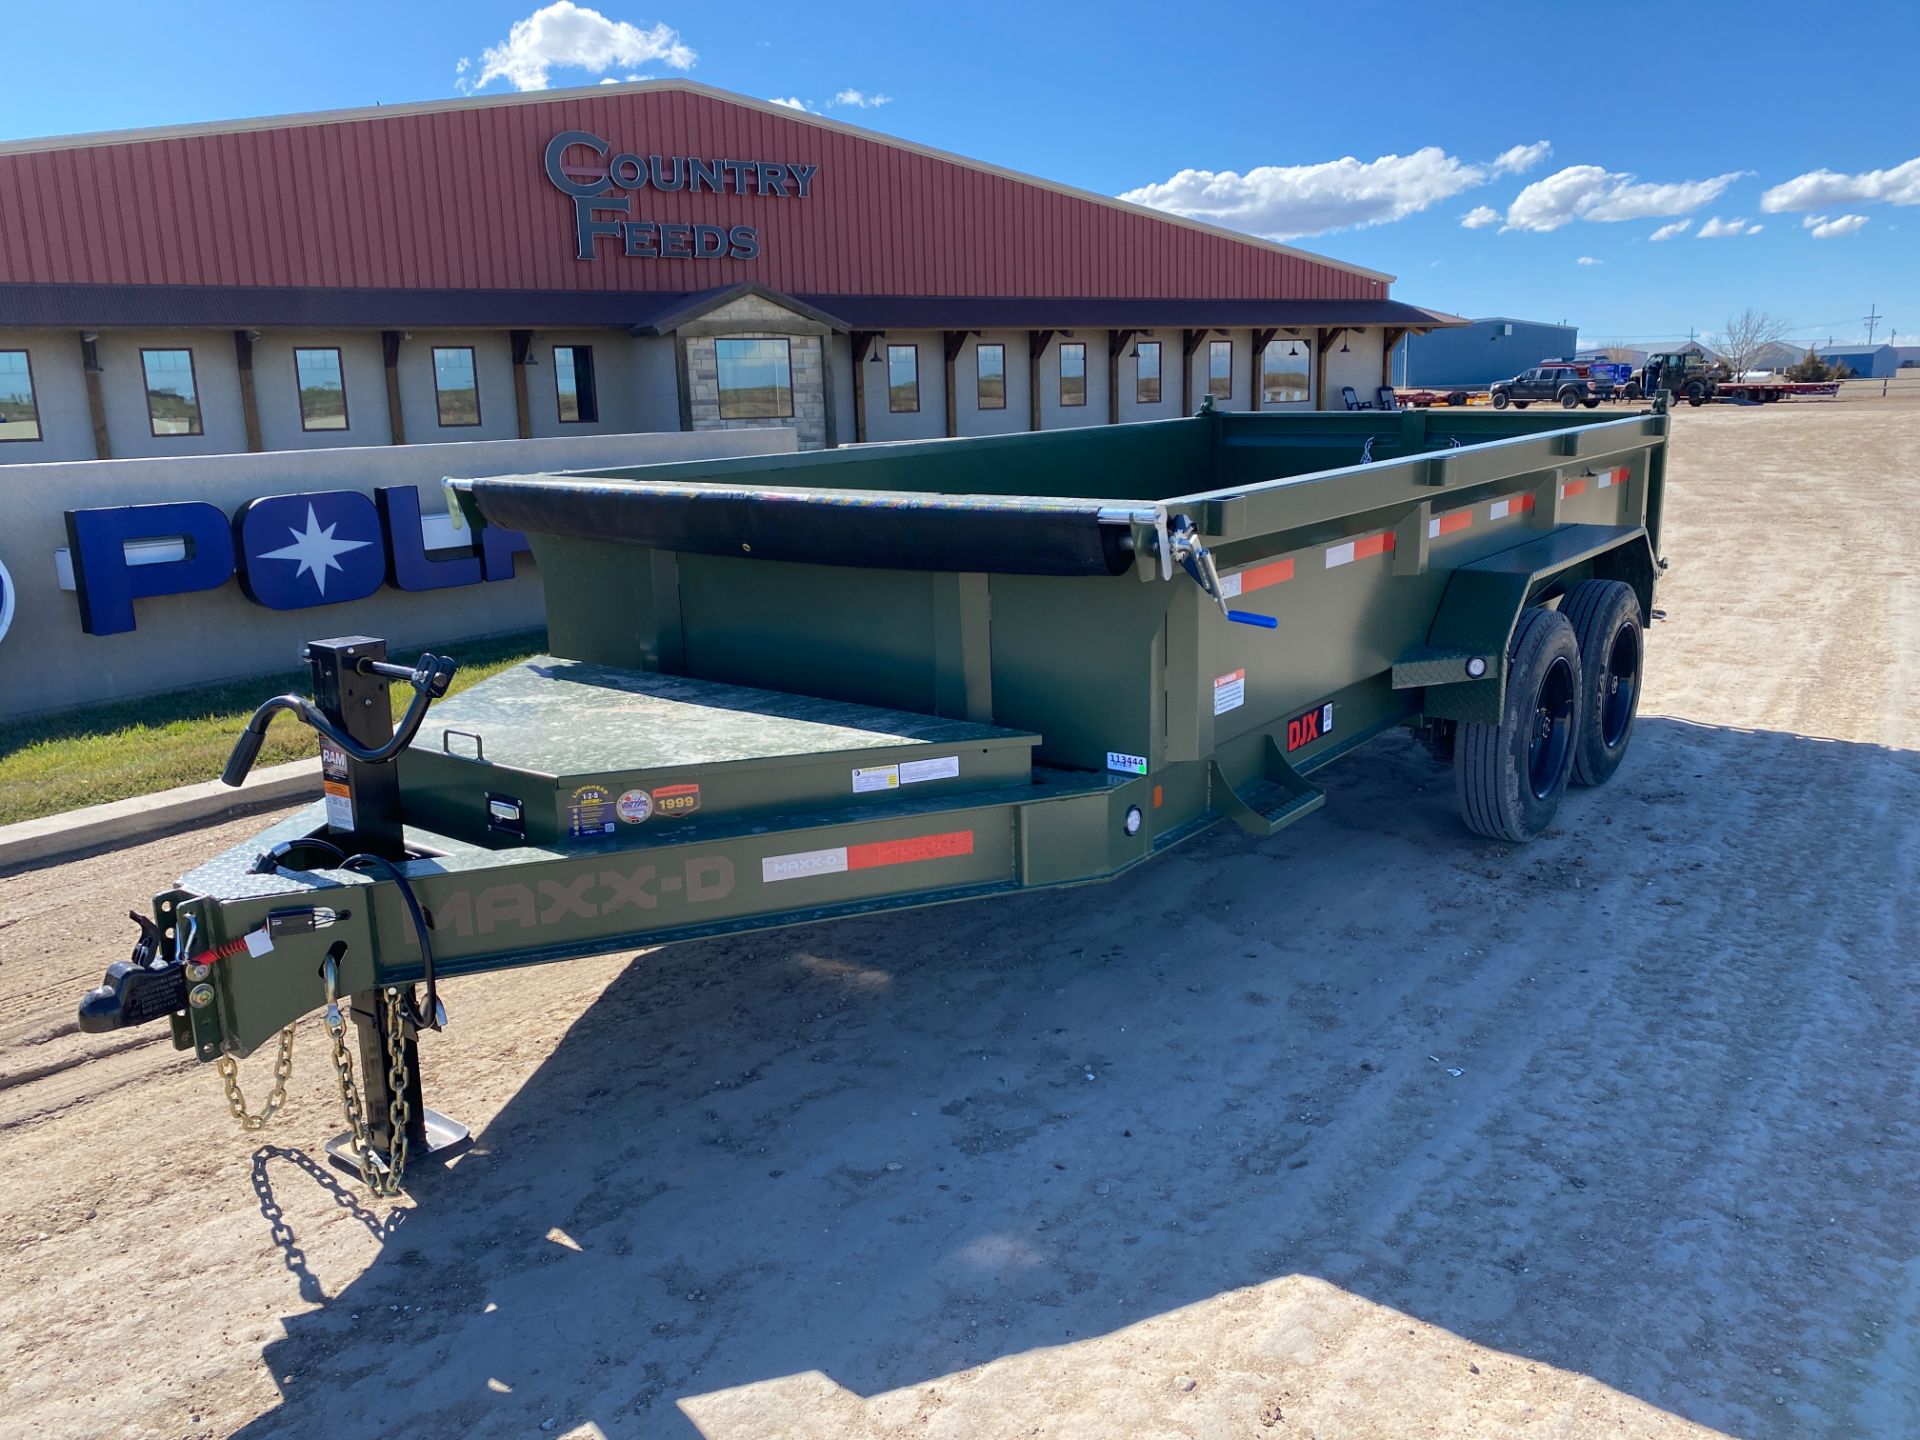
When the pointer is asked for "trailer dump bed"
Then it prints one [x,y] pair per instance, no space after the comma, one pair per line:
[787,688]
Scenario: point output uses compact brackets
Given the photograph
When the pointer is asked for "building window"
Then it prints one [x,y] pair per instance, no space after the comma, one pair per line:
[455,389]
[903,378]
[1220,369]
[573,381]
[323,391]
[1146,372]
[1073,374]
[19,414]
[173,403]
[756,379]
[993,376]
[1283,373]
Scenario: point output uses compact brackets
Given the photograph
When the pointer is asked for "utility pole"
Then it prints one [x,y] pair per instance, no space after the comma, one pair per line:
[1873,317]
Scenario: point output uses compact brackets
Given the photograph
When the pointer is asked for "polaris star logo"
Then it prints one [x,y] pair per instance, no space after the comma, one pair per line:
[314,550]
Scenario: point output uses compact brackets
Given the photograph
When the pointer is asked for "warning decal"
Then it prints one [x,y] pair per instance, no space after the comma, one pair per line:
[1229,692]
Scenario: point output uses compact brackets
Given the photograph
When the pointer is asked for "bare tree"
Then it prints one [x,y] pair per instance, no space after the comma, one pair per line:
[1746,335]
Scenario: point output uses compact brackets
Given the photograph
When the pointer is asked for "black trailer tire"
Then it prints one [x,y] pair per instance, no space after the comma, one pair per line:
[1605,615]
[1501,399]
[1509,777]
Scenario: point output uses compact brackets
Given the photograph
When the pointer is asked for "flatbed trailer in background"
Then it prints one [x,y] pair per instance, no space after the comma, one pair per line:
[1766,392]
[790,688]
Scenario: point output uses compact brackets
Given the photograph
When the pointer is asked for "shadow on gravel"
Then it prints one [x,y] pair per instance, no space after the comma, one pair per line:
[1633,1102]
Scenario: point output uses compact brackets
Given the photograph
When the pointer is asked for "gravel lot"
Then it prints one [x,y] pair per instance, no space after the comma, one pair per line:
[1371,1129]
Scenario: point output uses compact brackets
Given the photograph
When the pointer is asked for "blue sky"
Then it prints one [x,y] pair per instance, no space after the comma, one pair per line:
[1363,132]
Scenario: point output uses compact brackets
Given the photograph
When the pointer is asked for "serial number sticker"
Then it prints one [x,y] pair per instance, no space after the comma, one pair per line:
[1316,724]
[1229,692]
[1126,764]
[945,767]
[676,799]
[876,777]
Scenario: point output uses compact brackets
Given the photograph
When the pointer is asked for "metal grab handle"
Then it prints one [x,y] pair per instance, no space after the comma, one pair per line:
[429,678]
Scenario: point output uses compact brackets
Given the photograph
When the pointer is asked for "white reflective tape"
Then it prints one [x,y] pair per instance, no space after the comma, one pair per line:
[802,864]
[1339,555]
[1500,509]
[1433,529]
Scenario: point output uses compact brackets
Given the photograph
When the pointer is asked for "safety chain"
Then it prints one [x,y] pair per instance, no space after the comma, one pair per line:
[276,1098]
[381,1178]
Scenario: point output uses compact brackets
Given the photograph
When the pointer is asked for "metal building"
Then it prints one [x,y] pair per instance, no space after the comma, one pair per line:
[1481,351]
[653,256]
[1867,362]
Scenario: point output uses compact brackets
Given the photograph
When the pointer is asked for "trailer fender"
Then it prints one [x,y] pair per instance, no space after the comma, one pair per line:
[1463,665]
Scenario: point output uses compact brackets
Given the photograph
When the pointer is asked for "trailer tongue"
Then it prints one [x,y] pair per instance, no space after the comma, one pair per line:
[790,688]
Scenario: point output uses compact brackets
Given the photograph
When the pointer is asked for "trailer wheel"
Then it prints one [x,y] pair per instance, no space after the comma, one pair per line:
[1696,394]
[1605,615]
[1509,777]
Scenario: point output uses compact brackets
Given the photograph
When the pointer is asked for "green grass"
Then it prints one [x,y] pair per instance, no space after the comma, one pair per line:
[135,747]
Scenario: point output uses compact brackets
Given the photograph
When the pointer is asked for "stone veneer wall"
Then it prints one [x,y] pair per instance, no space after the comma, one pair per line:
[752,318]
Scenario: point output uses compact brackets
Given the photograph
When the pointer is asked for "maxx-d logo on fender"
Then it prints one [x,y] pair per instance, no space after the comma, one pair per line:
[587,897]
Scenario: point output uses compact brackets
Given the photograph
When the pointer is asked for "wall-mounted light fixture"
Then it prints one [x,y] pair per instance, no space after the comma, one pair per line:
[1343,344]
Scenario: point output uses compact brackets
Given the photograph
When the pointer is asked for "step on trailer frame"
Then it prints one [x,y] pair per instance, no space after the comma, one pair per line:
[785,689]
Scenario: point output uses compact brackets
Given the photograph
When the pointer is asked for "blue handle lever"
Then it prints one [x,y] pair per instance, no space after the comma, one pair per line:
[1247,617]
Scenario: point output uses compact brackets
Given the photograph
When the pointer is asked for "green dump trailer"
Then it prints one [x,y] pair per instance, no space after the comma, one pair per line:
[788,688]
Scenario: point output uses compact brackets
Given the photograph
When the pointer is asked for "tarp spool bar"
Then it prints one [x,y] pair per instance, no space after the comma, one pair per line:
[895,530]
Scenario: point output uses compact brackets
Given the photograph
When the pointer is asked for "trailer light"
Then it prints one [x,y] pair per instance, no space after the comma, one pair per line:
[1476,667]
[1134,820]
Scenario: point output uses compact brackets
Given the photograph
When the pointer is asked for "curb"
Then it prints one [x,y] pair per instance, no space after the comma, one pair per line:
[37,842]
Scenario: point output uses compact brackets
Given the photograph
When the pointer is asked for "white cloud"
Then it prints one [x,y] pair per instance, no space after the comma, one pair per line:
[1279,201]
[1718,229]
[861,99]
[792,102]
[568,36]
[1667,232]
[1479,217]
[1589,260]
[1589,192]
[1898,186]
[1521,158]
[1825,229]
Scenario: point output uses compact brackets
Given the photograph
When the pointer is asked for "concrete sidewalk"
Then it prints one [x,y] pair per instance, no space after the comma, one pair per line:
[37,842]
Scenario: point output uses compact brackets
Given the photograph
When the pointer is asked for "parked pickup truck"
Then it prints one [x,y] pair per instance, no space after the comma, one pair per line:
[788,688]
[1570,385]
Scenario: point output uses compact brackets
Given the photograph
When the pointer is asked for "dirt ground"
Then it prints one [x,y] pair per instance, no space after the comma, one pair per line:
[1372,1129]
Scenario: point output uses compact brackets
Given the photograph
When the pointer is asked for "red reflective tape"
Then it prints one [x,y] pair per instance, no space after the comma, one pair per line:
[1373,545]
[1524,502]
[1454,520]
[1614,477]
[1573,488]
[1261,576]
[907,852]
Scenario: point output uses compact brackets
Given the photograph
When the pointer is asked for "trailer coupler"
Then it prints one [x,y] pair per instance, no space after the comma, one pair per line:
[145,986]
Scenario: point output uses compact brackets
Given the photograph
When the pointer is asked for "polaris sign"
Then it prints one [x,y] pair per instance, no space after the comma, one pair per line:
[289,552]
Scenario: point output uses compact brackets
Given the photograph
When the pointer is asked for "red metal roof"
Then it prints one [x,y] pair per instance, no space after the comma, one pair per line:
[454,197]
